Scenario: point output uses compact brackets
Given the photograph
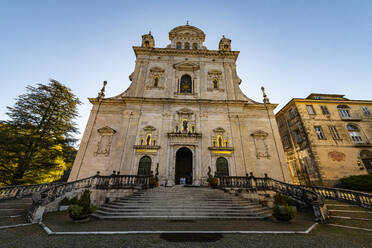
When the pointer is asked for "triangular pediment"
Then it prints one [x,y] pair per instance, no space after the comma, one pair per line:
[186,66]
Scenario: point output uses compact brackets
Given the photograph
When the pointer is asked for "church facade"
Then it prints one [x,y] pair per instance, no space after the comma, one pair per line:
[183,117]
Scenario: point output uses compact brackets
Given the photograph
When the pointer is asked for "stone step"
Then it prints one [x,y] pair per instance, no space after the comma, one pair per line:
[156,217]
[159,210]
[9,221]
[365,215]
[180,207]
[157,213]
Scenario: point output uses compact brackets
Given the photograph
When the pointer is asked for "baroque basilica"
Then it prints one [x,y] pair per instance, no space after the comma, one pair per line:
[183,118]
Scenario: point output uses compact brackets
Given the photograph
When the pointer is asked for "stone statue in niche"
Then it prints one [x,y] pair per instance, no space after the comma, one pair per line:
[262,150]
[184,125]
[105,140]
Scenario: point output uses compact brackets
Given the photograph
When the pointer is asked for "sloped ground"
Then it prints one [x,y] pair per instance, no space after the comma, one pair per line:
[323,236]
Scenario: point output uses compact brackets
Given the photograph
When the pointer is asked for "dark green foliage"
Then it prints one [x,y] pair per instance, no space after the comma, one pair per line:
[362,182]
[66,201]
[280,199]
[283,209]
[83,208]
[36,143]
[284,213]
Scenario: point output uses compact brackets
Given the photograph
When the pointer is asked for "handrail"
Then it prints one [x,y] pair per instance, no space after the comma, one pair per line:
[23,190]
[298,193]
[351,196]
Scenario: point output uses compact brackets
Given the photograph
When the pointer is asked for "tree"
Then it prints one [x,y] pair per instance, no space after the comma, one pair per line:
[39,135]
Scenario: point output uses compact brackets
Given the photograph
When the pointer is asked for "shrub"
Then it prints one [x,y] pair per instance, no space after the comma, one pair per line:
[67,201]
[362,182]
[284,213]
[82,208]
[280,199]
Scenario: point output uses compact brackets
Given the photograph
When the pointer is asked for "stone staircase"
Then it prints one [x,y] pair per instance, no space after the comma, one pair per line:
[182,203]
[13,211]
[341,213]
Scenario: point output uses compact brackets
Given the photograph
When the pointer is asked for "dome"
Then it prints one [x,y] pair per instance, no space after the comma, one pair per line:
[186,31]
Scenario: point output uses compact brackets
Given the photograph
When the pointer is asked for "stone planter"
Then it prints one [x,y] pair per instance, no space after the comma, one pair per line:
[81,218]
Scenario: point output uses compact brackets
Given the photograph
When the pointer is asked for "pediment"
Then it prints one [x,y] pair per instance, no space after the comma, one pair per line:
[185,111]
[260,133]
[106,130]
[219,130]
[149,128]
[186,66]
[214,72]
[156,69]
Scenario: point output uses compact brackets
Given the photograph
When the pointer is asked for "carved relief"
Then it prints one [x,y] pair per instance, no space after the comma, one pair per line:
[105,140]
[259,138]
[337,156]
[156,78]
[215,81]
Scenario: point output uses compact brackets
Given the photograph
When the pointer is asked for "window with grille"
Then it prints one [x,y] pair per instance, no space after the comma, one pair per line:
[310,109]
[366,111]
[344,111]
[324,110]
[319,132]
[334,132]
[354,133]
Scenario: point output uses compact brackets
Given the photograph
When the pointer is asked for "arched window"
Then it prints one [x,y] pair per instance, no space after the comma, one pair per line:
[144,167]
[147,43]
[194,46]
[215,83]
[187,45]
[186,84]
[156,82]
[179,45]
[344,111]
[354,133]
[222,167]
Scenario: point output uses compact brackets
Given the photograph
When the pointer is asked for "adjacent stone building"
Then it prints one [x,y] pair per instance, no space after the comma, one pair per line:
[183,117]
[326,137]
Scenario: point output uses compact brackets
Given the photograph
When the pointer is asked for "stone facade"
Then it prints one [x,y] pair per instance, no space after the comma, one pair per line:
[326,137]
[182,96]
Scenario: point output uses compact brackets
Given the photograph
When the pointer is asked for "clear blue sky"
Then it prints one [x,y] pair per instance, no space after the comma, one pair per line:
[293,48]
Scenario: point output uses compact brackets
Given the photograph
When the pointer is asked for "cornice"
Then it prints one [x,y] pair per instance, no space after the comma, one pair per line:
[320,101]
[125,100]
[183,52]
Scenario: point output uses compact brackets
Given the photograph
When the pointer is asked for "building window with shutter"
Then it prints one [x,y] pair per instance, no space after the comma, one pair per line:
[325,110]
[298,136]
[319,132]
[334,133]
[310,109]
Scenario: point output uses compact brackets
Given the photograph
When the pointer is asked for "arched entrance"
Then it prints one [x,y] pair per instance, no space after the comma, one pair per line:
[144,167]
[183,165]
[222,167]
